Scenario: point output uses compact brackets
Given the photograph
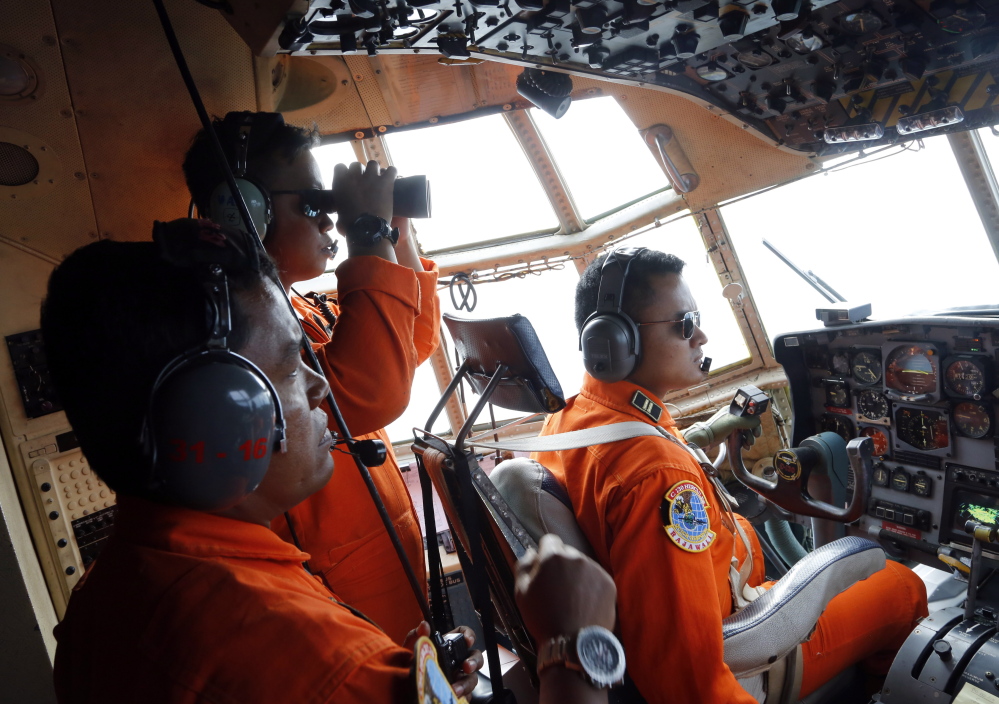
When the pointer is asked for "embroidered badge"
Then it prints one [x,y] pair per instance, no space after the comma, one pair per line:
[685,517]
[647,406]
[787,465]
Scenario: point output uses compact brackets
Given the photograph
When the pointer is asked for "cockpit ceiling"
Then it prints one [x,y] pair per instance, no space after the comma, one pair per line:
[796,71]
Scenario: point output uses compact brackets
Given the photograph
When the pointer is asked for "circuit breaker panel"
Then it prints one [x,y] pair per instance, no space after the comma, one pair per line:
[77,508]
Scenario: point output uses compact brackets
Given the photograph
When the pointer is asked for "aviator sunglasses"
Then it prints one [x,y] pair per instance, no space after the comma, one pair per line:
[690,321]
[314,201]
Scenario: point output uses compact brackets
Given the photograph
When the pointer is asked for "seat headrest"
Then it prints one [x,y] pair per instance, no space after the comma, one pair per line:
[530,386]
[540,502]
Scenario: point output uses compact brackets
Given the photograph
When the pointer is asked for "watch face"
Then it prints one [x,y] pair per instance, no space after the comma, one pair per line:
[601,655]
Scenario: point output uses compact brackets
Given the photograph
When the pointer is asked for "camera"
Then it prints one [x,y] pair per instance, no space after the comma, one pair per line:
[452,651]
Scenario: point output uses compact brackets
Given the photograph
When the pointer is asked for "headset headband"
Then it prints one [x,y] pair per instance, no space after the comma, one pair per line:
[246,132]
[613,276]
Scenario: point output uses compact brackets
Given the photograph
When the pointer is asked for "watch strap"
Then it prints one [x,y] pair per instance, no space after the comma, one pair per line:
[369,236]
[559,651]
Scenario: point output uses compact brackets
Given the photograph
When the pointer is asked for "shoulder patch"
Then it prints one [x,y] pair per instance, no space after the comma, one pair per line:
[647,406]
[685,517]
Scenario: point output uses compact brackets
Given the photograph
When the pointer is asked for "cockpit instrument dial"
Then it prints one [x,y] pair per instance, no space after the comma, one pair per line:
[863,22]
[912,369]
[900,480]
[964,19]
[922,428]
[872,404]
[866,367]
[922,485]
[972,419]
[879,438]
[837,393]
[880,476]
[835,423]
[966,377]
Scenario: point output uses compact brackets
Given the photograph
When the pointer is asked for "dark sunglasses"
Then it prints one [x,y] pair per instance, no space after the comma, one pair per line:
[314,201]
[690,321]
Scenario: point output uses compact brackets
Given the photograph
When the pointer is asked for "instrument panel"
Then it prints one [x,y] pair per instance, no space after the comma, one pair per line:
[925,391]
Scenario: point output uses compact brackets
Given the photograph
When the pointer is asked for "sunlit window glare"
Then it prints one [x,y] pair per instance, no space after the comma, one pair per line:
[681,237]
[329,155]
[422,400]
[891,232]
[603,160]
[483,188]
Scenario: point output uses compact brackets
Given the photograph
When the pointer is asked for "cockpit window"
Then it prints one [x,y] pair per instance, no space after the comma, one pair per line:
[422,400]
[546,299]
[894,231]
[483,185]
[681,237]
[329,155]
[602,158]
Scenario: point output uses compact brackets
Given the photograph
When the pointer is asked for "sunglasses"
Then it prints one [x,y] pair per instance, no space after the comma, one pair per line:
[690,321]
[314,201]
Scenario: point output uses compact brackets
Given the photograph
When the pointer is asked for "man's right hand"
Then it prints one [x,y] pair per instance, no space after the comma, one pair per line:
[559,591]
[358,190]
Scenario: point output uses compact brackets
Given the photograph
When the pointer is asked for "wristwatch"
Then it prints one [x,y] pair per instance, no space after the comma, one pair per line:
[368,229]
[594,652]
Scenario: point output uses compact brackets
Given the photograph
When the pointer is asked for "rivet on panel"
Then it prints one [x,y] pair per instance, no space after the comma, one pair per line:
[66,112]
[48,40]
[382,128]
[358,135]
[358,77]
[80,175]
[433,120]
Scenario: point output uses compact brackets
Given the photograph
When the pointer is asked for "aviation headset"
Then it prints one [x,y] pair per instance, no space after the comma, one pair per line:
[213,419]
[243,133]
[609,339]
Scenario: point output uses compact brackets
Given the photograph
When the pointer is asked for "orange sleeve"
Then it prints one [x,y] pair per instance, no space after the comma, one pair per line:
[370,359]
[427,332]
[668,604]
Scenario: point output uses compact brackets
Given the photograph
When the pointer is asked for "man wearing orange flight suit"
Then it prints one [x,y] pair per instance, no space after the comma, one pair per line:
[387,323]
[639,503]
[194,598]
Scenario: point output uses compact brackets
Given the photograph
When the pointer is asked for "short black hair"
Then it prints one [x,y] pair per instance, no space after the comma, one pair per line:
[637,289]
[114,315]
[201,169]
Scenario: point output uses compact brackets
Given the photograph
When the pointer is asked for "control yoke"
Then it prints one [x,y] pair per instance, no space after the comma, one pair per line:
[787,485]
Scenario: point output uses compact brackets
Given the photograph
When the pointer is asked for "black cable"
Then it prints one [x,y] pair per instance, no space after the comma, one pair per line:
[310,355]
[294,539]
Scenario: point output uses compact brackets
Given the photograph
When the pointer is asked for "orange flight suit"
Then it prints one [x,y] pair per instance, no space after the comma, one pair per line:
[388,323]
[185,606]
[672,599]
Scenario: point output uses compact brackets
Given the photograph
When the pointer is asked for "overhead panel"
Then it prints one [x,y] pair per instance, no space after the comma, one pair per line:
[816,76]
[134,115]
[44,196]
[729,159]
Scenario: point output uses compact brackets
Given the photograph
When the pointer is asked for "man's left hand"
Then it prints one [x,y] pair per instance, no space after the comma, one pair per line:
[717,428]
[466,683]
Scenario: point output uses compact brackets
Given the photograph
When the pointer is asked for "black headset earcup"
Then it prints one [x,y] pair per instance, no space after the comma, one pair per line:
[610,346]
[224,211]
[210,433]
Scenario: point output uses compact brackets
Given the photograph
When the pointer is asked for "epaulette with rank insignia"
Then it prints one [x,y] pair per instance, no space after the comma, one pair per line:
[647,406]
